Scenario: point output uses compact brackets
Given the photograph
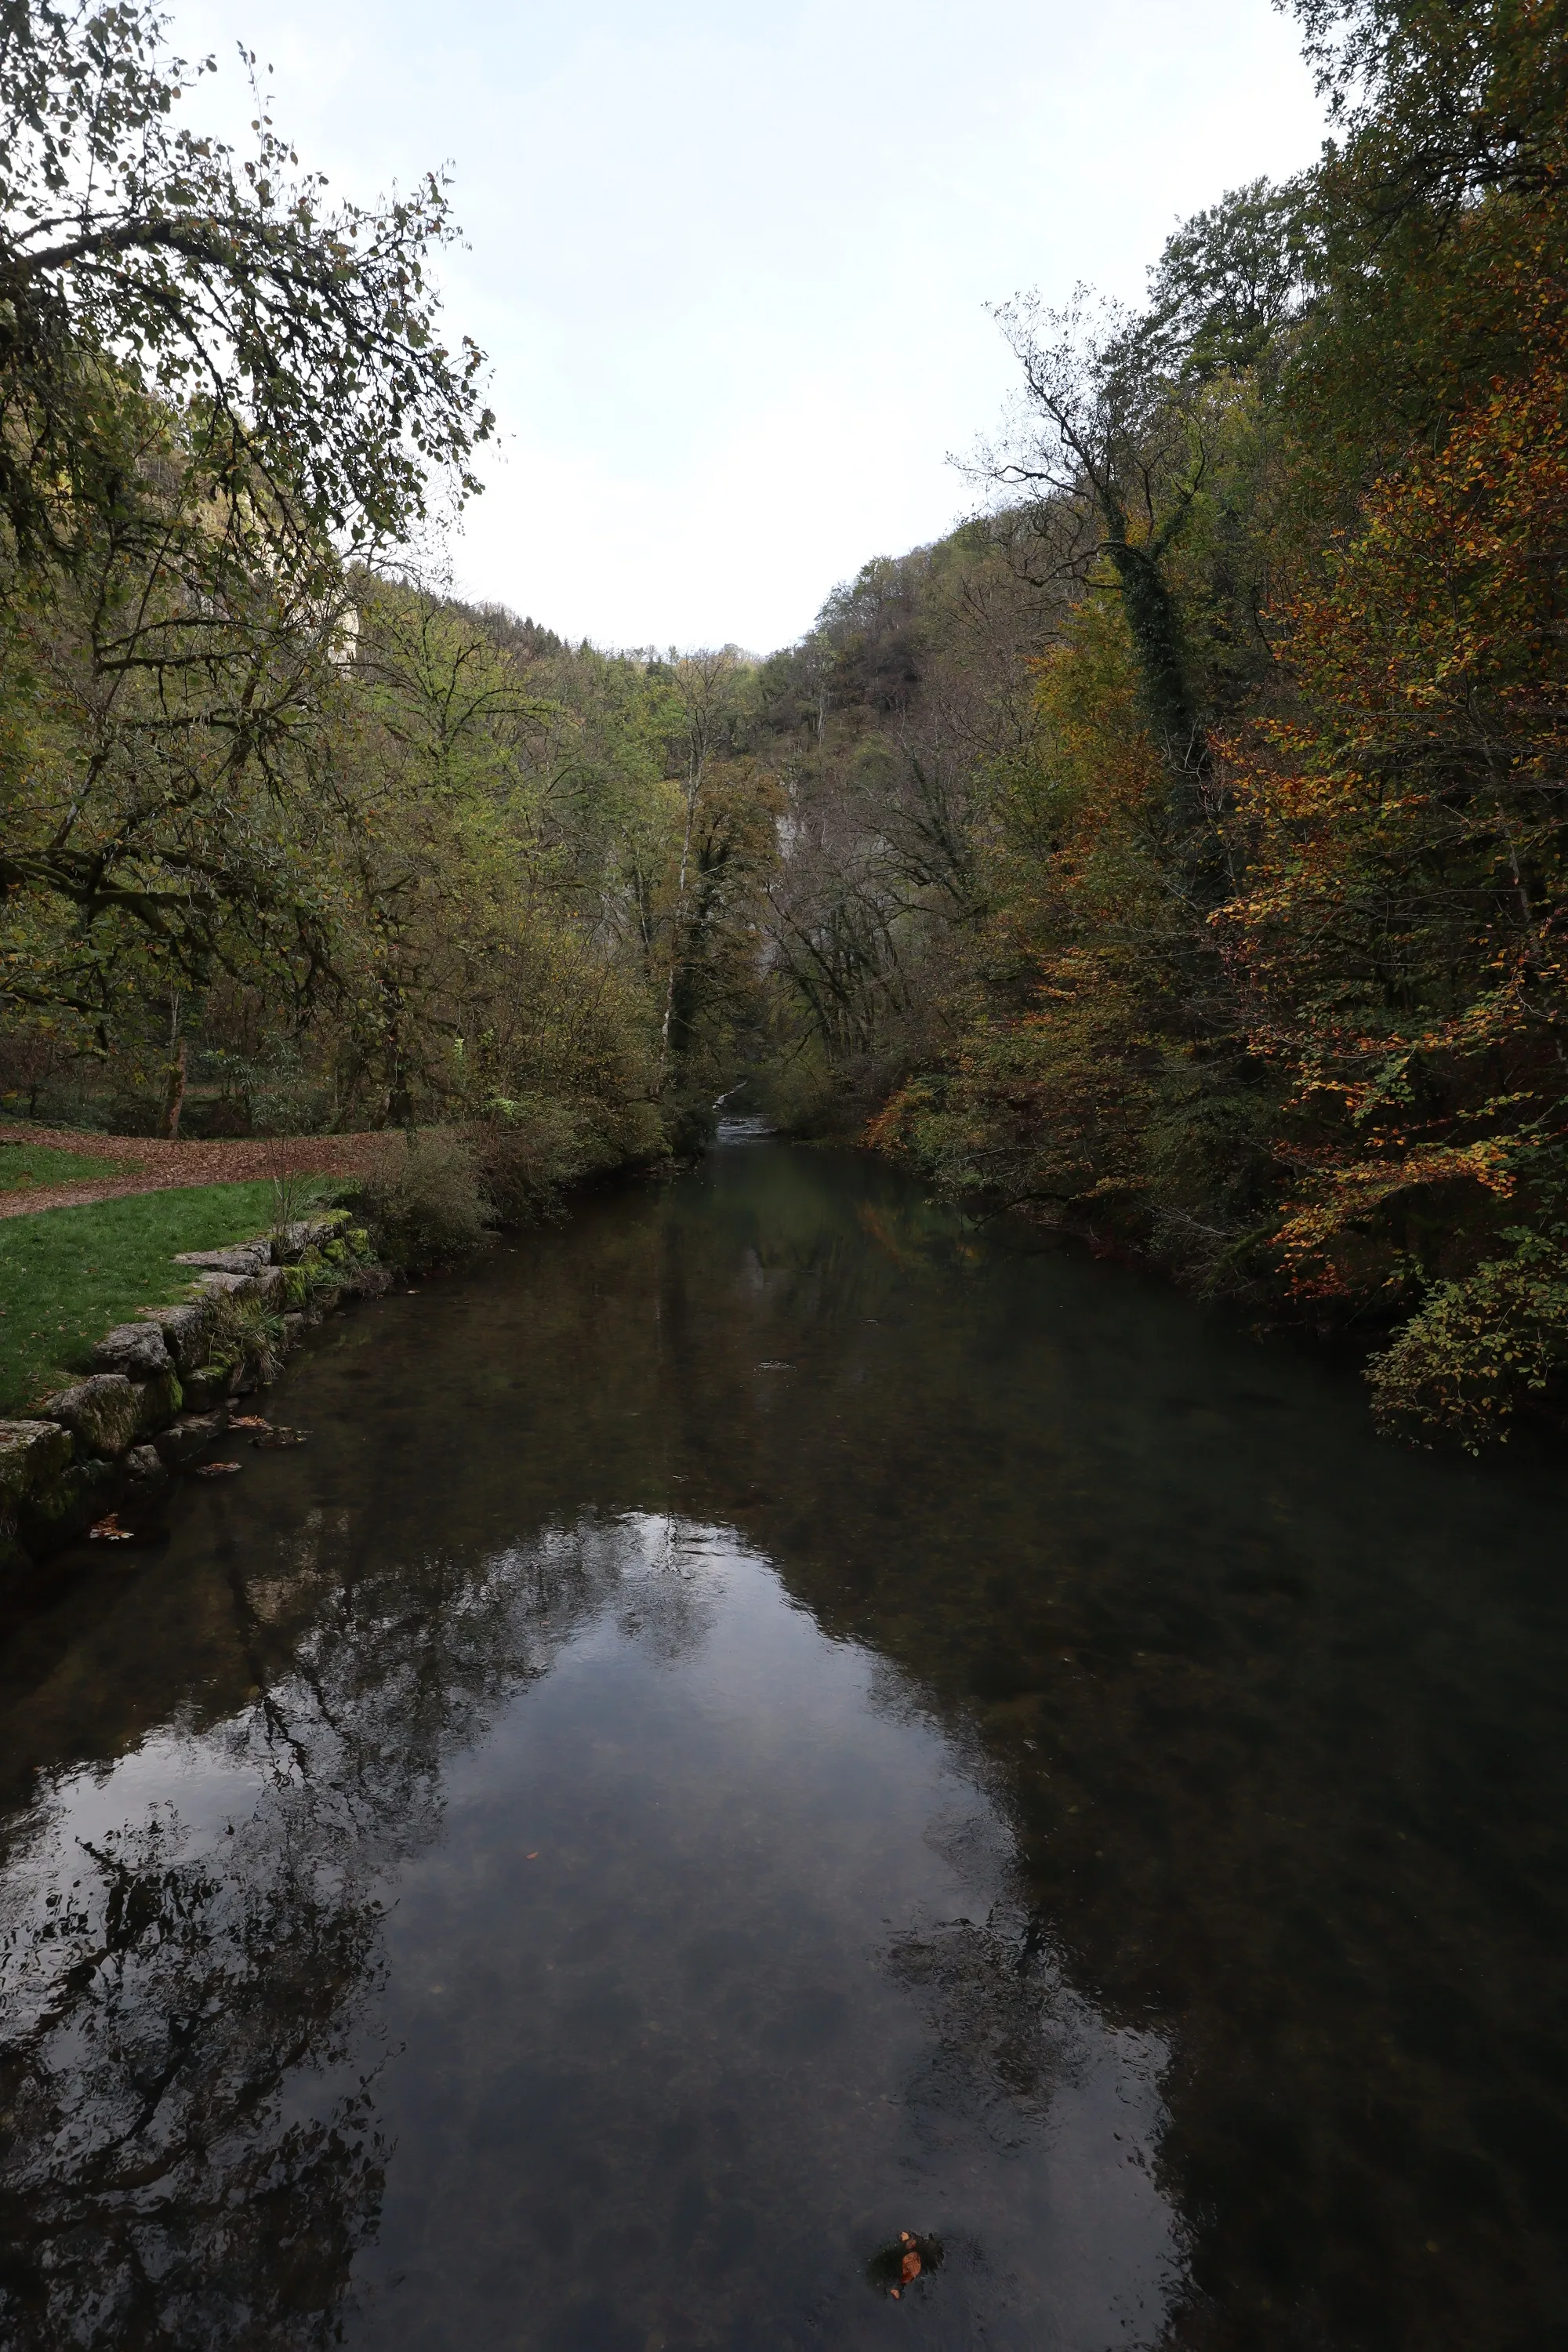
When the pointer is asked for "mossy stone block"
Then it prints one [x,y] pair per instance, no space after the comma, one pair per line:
[161,1400]
[210,1385]
[31,1453]
[103,1414]
[137,1349]
[187,1332]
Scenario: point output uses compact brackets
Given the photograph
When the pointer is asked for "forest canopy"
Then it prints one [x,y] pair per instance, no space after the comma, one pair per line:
[1173,854]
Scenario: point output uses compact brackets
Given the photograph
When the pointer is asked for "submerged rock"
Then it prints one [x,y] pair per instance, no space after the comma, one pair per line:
[69,1505]
[187,1439]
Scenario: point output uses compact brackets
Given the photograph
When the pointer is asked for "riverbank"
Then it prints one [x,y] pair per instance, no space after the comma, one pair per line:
[69,1275]
[161,1391]
[104,1287]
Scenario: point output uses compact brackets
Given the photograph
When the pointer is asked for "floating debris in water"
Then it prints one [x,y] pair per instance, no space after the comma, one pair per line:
[896,2267]
[214,1469]
[774,1364]
[108,1530]
[274,1438]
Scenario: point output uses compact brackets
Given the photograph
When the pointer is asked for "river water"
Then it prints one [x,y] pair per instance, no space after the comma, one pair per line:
[759,1721]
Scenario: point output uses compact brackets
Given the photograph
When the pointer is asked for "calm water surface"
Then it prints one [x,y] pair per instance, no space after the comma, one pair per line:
[759,1721]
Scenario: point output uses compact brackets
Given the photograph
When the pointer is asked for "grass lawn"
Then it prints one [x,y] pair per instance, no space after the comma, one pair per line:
[26,1164]
[67,1276]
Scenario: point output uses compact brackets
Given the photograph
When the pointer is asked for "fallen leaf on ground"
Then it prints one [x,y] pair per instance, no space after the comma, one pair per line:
[214,1469]
[108,1530]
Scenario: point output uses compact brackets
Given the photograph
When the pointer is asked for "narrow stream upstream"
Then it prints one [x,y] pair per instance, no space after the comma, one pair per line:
[759,1721]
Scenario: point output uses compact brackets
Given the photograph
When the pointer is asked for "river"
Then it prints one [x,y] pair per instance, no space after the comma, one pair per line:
[760,1720]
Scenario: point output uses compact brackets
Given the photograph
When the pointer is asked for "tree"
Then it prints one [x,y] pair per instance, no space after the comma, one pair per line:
[1438,102]
[704,685]
[297,342]
[1111,458]
[1228,280]
[1397,936]
[160,712]
[212,388]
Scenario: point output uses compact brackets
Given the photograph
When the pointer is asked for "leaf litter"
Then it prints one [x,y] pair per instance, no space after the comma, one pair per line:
[266,1434]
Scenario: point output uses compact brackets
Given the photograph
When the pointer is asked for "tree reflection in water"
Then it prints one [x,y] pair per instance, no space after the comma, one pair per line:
[159,2185]
[190,2156]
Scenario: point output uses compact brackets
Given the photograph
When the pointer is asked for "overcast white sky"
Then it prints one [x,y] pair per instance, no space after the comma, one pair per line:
[729,261]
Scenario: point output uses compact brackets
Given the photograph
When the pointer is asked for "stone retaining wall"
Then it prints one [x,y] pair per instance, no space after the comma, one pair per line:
[159,1397]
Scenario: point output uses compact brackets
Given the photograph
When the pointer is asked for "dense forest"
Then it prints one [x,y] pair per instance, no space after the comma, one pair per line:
[1173,854]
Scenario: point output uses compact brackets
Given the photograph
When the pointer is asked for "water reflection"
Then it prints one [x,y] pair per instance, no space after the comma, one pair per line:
[759,1722]
[167,1997]
[584,1926]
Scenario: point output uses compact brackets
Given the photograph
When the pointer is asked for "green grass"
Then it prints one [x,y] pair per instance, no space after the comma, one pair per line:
[67,1276]
[26,1164]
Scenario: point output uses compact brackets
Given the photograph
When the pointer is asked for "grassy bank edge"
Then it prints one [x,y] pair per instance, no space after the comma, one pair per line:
[67,1276]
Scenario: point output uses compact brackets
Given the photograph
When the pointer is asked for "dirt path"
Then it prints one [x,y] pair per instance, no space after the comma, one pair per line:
[147,1165]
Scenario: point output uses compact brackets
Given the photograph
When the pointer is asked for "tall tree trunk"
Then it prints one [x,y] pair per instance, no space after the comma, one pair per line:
[1155,630]
[175,1094]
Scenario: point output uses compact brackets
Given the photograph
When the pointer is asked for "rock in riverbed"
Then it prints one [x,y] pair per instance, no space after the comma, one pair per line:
[187,1439]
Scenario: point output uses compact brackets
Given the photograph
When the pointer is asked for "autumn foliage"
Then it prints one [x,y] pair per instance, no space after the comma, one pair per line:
[1282,1003]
